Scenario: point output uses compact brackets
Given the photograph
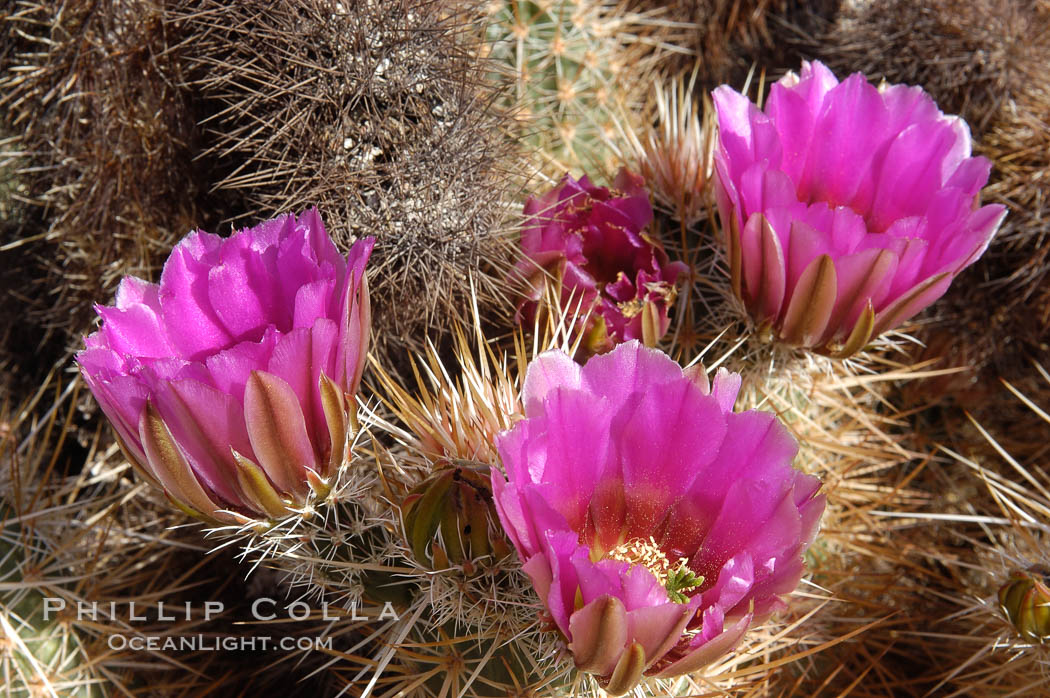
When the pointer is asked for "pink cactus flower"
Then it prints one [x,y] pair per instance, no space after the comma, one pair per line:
[847,208]
[594,238]
[656,524]
[230,383]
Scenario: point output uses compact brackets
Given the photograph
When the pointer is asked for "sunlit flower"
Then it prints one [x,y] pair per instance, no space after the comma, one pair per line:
[230,383]
[655,523]
[593,239]
[847,208]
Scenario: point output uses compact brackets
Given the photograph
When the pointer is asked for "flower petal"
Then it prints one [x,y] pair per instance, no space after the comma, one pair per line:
[206,424]
[621,373]
[863,279]
[243,290]
[701,656]
[136,330]
[277,430]
[811,303]
[599,635]
[912,171]
[169,465]
[660,453]
[192,324]
[764,267]
[548,371]
[850,130]
[902,309]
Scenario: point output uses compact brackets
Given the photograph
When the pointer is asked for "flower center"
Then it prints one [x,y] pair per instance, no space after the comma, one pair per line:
[676,578]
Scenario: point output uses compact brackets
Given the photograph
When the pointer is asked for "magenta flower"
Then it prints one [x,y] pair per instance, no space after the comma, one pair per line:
[593,238]
[230,383]
[655,523]
[847,208]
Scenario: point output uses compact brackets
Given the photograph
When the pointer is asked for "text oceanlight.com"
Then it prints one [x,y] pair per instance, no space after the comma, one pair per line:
[212,643]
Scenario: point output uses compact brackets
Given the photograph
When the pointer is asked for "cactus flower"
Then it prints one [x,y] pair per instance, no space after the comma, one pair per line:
[656,524]
[846,208]
[593,239]
[230,384]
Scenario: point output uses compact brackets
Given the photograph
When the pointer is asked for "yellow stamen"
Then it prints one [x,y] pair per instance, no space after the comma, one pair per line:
[676,578]
[648,555]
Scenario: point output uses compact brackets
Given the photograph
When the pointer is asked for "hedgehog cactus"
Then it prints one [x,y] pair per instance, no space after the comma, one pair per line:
[104,148]
[532,518]
[379,118]
[1003,600]
[673,154]
[40,652]
[70,562]
[478,624]
[444,569]
[571,65]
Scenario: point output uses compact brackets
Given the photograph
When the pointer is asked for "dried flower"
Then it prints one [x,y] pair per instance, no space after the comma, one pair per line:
[593,240]
[847,208]
[656,524]
[230,383]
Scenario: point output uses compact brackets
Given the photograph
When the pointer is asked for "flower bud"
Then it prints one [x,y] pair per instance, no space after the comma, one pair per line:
[449,519]
[1025,601]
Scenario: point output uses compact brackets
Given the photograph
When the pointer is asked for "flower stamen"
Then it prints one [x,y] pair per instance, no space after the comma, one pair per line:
[675,578]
